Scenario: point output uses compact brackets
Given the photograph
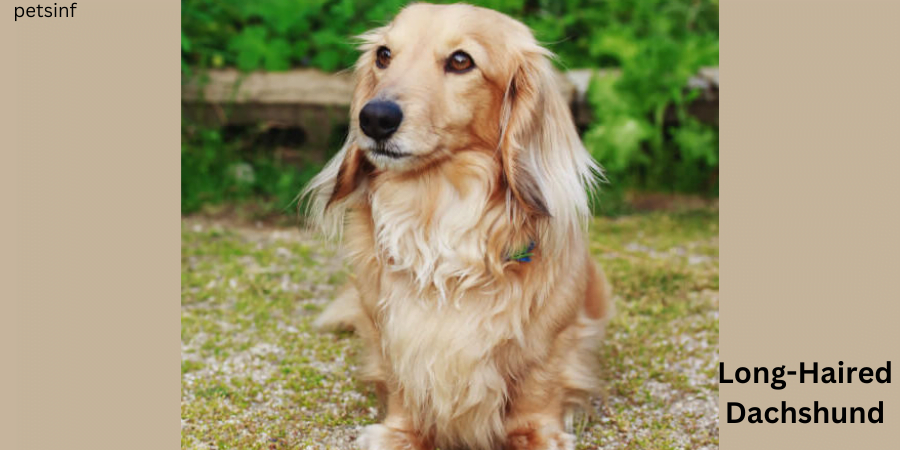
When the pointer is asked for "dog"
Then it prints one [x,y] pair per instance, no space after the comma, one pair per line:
[462,199]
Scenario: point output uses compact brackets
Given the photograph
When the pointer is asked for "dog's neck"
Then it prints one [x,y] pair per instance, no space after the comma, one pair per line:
[446,227]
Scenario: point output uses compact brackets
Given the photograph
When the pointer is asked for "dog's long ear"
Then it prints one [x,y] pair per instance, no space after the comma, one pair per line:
[338,180]
[522,117]
[351,172]
[546,167]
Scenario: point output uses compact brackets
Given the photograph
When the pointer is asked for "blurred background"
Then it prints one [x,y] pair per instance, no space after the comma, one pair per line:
[265,95]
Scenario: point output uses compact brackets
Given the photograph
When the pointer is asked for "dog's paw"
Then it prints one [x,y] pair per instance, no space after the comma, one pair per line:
[541,440]
[561,441]
[380,437]
[373,437]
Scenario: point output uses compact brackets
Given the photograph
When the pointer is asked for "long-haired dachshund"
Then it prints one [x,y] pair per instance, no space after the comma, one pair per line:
[462,195]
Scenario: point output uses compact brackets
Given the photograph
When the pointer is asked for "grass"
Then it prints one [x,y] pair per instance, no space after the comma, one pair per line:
[256,376]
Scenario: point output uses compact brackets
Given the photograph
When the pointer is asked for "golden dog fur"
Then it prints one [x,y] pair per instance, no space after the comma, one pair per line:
[467,348]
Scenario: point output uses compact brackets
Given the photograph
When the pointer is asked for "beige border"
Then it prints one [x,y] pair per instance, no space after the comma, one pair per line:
[810,215]
[89,175]
[95,117]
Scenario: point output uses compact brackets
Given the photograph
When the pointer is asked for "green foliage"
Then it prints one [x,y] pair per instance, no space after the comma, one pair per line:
[663,45]
[276,34]
[279,34]
[215,170]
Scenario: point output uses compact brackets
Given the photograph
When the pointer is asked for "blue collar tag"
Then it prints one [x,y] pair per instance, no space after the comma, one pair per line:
[524,254]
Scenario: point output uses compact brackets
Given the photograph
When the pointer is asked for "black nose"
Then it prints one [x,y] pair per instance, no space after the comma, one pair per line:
[379,119]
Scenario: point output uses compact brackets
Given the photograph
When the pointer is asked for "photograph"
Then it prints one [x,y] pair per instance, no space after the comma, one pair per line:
[423,226]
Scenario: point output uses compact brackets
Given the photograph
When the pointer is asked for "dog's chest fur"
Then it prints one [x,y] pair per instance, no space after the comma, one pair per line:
[433,229]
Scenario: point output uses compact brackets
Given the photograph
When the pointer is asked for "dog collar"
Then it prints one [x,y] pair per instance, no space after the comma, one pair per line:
[523,254]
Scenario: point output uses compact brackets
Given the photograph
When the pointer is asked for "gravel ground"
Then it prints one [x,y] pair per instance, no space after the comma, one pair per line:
[256,376]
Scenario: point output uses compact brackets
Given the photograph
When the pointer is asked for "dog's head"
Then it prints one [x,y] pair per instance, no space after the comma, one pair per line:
[432,82]
[439,80]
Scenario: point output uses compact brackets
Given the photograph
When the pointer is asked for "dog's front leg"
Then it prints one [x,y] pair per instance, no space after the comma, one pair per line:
[395,432]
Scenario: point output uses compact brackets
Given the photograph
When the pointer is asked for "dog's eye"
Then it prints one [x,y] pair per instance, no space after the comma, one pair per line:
[459,62]
[382,57]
